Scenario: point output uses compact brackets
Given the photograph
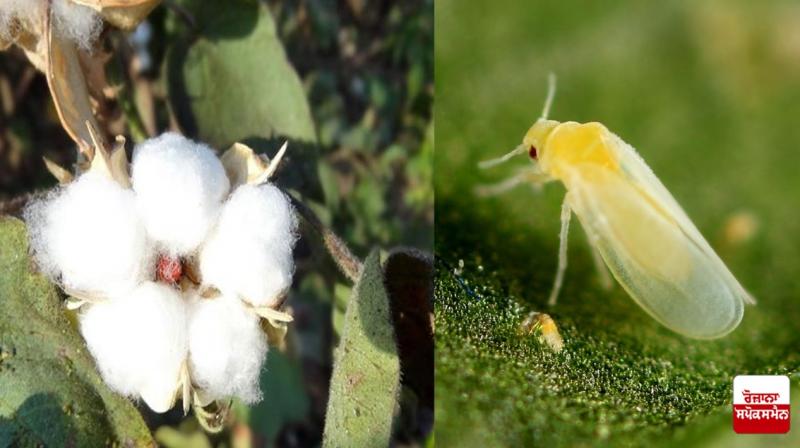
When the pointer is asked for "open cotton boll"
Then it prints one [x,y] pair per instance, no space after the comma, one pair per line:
[249,253]
[89,234]
[139,342]
[179,187]
[78,23]
[227,348]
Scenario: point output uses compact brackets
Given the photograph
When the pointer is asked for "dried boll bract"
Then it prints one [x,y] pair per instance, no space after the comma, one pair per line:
[89,234]
[227,348]
[249,254]
[139,342]
[180,186]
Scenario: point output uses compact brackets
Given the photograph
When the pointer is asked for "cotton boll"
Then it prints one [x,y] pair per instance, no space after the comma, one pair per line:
[139,342]
[78,23]
[89,234]
[179,186]
[227,348]
[249,254]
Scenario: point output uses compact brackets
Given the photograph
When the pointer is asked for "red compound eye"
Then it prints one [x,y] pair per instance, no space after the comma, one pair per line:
[532,152]
[169,269]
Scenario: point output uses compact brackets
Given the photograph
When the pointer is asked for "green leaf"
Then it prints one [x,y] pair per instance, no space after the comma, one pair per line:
[50,392]
[366,374]
[232,81]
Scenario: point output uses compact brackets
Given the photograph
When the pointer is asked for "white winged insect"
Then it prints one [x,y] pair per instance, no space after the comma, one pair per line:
[633,223]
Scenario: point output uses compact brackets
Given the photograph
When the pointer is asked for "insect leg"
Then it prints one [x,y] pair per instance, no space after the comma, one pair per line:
[566,213]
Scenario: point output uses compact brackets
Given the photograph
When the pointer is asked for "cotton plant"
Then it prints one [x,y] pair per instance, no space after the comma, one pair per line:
[171,267]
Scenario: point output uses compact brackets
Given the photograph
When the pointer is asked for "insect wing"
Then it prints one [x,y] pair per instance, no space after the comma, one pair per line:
[637,170]
[653,249]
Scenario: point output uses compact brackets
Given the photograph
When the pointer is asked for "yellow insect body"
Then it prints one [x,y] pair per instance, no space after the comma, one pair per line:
[644,237]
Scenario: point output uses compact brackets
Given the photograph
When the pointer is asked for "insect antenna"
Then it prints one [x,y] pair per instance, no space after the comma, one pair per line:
[521,149]
[551,93]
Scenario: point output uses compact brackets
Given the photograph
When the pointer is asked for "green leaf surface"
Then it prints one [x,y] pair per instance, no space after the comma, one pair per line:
[366,374]
[50,392]
[231,80]
[709,97]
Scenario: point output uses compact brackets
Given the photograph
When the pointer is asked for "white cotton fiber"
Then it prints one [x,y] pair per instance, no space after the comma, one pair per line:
[179,187]
[227,348]
[249,253]
[78,23]
[139,342]
[89,234]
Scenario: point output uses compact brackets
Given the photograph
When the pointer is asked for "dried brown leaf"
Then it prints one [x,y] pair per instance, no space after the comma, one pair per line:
[276,333]
[94,71]
[114,165]
[32,41]
[275,324]
[118,164]
[272,167]
[273,315]
[185,386]
[70,94]
[60,173]
[242,164]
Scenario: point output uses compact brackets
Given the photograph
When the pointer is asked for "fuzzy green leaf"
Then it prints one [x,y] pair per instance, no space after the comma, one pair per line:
[50,392]
[232,81]
[366,374]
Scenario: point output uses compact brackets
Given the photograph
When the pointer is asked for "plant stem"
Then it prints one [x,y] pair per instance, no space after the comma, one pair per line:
[348,263]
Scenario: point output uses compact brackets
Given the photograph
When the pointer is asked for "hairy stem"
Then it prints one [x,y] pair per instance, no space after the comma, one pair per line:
[348,263]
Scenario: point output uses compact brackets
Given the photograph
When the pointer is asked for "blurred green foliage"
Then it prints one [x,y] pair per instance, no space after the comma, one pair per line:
[368,70]
[708,93]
